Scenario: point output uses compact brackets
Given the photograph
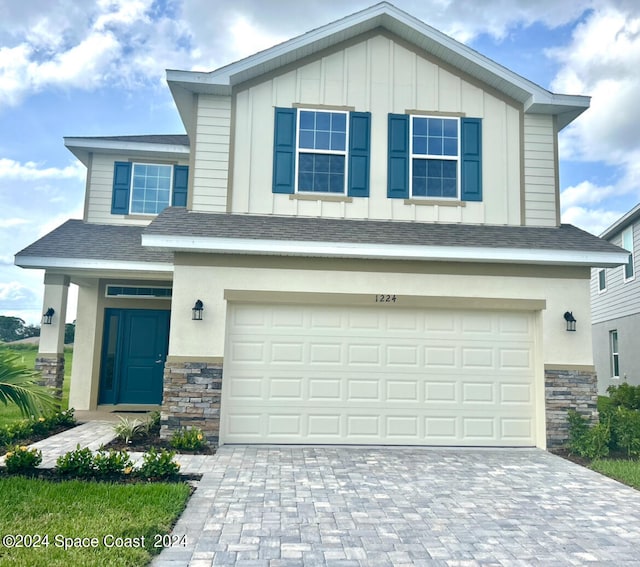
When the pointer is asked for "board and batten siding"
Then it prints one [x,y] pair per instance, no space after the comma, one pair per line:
[381,76]
[540,180]
[100,190]
[210,154]
[620,298]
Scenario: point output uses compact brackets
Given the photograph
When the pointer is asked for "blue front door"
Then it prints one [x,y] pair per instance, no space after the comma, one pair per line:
[133,355]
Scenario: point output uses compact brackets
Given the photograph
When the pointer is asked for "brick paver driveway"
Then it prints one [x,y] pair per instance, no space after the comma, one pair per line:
[285,506]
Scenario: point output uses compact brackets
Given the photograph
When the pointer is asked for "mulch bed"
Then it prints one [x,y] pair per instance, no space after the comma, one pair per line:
[144,443]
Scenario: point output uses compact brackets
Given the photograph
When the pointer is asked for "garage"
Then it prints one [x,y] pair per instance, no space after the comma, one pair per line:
[381,374]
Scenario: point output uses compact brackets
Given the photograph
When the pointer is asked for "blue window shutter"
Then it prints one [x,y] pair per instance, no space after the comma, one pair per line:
[359,146]
[471,157]
[284,150]
[398,163]
[121,187]
[180,184]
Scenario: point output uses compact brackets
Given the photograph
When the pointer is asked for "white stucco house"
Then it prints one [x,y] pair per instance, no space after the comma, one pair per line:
[357,241]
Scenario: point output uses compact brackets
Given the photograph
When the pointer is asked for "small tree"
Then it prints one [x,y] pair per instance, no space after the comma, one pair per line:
[18,385]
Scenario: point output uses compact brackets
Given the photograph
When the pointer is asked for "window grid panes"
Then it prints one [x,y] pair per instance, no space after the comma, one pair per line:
[627,244]
[435,150]
[322,144]
[151,188]
[615,357]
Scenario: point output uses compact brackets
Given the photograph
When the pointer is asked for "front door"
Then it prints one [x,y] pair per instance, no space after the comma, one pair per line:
[133,355]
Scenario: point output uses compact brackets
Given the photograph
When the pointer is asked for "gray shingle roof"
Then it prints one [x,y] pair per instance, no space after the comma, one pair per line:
[77,239]
[175,221]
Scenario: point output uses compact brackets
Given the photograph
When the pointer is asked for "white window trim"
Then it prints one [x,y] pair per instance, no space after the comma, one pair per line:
[344,153]
[613,354]
[413,155]
[133,168]
[601,271]
[633,260]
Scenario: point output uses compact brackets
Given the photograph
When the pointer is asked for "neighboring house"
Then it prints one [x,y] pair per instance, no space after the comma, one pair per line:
[615,309]
[357,241]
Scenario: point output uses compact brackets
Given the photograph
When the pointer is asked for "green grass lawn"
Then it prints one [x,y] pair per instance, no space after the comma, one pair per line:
[627,472]
[98,512]
[10,413]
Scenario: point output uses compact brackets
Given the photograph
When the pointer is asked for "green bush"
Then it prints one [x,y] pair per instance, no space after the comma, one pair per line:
[159,465]
[589,442]
[625,396]
[112,463]
[625,430]
[188,439]
[26,428]
[78,463]
[21,459]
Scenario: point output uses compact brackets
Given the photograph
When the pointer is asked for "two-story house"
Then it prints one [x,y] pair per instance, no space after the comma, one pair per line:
[615,306]
[357,241]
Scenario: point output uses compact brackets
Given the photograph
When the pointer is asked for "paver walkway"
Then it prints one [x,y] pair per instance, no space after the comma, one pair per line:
[391,506]
[94,434]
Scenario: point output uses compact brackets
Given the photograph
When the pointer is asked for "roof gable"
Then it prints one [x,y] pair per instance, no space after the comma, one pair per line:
[534,98]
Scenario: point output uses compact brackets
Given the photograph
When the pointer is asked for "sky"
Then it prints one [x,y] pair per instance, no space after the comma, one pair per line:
[97,68]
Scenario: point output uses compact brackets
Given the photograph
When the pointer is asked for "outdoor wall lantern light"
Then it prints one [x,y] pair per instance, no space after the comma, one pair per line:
[571,321]
[196,312]
[48,316]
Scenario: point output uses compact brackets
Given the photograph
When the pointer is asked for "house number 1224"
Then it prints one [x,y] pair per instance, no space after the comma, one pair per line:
[384,298]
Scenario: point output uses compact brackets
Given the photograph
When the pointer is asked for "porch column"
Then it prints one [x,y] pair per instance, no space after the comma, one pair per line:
[50,360]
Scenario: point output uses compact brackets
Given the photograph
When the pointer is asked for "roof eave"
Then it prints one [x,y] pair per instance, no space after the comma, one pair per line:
[61,263]
[218,245]
[82,147]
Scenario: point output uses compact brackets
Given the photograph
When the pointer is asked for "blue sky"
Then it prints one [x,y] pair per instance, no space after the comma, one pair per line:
[97,68]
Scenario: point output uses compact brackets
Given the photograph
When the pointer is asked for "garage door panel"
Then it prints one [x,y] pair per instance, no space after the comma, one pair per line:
[296,374]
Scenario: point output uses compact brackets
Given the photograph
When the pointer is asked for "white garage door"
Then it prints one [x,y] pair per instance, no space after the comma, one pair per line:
[379,375]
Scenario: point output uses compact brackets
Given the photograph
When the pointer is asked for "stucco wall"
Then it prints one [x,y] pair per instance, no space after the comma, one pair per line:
[210,276]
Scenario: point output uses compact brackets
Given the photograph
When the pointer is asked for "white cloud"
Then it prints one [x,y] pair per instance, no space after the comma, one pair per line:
[591,220]
[29,171]
[15,292]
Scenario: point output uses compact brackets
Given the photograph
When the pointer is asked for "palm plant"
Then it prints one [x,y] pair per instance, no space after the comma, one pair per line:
[18,385]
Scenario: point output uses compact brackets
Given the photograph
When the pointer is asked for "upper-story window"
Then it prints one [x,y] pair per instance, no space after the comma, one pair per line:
[322,151]
[435,151]
[627,244]
[148,188]
[437,157]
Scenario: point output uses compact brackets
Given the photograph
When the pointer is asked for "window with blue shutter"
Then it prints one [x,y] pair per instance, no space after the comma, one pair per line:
[321,151]
[471,159]
[121,187]
[434,157]
[398,162]
[148,188]
[180,185]
[359,149]
[284,150]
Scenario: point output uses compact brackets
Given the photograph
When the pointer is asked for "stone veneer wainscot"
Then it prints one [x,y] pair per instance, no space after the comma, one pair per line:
[567,389]
[192,398]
